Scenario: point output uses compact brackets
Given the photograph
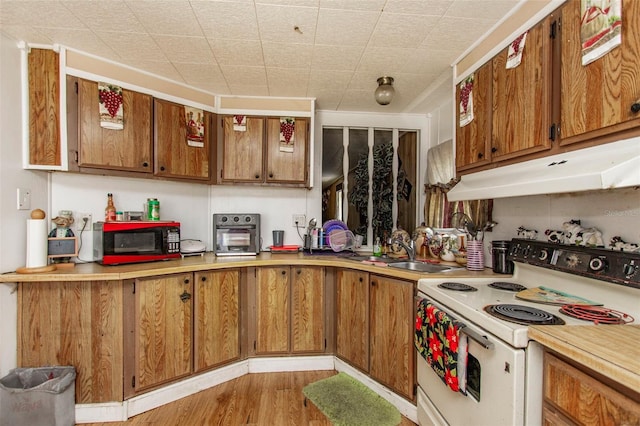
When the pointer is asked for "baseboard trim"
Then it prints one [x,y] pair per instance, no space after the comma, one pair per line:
[121,411]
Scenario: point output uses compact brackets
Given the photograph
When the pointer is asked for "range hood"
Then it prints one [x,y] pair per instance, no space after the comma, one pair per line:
[611,165]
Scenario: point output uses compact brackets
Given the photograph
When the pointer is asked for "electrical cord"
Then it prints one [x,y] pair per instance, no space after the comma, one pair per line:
[84,226]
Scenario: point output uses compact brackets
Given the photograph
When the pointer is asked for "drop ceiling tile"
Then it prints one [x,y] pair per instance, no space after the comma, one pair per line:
[249,90]
[22,33]
[296,79]
[371,5]
[385,60]
[193,50]
[238,75]
[200,73]
[396,30]
[229,20]
[328,80]
[487,9]
[336,57]
[33,13]
[441,37]
[277,23]
[128,45]
[285,55]
[305,3]
[83,40]
[237,52]
[166,17]
[113,15]
[419,7]
[345,27]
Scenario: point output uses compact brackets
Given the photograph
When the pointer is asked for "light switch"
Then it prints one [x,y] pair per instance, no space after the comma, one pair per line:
[24,199]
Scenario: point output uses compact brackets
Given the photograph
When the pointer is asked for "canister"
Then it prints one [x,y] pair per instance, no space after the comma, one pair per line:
[153,209]
[499,254]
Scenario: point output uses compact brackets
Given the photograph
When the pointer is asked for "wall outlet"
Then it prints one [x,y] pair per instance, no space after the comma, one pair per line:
[299,221]
[81,224]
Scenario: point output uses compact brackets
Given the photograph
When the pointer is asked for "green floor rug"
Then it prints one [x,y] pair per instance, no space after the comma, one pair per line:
[347,402]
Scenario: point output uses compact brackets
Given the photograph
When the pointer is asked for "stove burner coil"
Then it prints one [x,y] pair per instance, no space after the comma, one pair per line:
[523,315]
[456,286]
[500,285]
[596,314]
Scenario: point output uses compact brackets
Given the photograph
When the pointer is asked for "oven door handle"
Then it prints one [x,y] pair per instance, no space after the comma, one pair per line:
[483,341]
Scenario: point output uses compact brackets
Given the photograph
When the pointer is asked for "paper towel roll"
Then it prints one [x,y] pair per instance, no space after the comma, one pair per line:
[37,243]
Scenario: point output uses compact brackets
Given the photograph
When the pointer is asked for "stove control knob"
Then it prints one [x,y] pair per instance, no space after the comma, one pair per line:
[543,255]
[527,251]
[597,264]
[629,269]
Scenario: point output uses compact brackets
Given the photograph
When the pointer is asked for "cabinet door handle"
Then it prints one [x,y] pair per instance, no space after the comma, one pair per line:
[373,283]
[635,108]
[270,175]
[284,272]
[186,281]
[480,155]
[494,149]
[185,297]
[203,279]
[257,176]
[162,168]
[145,164]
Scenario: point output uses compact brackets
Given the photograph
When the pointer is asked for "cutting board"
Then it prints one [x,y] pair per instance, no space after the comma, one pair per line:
[552,297]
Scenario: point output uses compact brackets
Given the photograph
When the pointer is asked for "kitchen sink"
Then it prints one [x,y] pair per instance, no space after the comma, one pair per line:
[421,266]
[372,259]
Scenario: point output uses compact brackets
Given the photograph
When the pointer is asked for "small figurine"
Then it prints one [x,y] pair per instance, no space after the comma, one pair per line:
[554,236]
[527,234]
[575,234]
[617,243]
[63,223]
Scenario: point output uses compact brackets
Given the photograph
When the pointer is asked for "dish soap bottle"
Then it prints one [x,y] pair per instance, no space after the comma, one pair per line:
[377,248]
[110,210]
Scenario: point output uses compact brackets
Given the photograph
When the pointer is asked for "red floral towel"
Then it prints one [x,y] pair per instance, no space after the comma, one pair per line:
[439,341]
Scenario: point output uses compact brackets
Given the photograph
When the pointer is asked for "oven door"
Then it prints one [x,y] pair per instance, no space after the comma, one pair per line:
[495,384]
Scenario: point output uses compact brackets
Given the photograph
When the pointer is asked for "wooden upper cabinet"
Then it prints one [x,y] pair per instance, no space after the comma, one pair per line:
[128,149]
[473,141]
[602,97]
[256,155]
[174,155]
[242,153]
[44,108]
[522,97]
[287,163]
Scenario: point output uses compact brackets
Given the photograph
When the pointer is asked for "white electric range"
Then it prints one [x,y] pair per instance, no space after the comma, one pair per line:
[504,368]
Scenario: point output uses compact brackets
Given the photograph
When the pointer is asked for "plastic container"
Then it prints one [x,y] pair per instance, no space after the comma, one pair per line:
[342,240]
[38,396]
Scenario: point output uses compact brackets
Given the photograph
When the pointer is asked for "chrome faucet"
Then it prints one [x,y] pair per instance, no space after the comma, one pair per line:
[410,248]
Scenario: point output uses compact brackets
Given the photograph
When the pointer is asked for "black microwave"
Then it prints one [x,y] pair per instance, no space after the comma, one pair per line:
[135,241]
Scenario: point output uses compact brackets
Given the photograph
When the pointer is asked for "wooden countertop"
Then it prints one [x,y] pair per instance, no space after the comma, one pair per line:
[95,271]
[611,350]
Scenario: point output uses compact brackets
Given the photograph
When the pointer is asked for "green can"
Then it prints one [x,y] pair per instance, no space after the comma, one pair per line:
[153,209]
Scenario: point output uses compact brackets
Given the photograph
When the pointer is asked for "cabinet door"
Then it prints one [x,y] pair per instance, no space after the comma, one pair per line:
[584,399]
[76,323]
[163,327]
[44,108]
[352,318]
[287,163]
[391,321]
[174,155]
[216,318]
[473,141]
[307,310]
[242,155]
[126,149]
[522,98]
[272,311]
[597,99]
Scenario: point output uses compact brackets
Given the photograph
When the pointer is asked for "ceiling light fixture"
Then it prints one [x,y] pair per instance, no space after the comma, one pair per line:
[384,93]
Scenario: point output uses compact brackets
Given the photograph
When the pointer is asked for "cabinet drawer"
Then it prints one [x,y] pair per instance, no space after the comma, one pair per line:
[585,399]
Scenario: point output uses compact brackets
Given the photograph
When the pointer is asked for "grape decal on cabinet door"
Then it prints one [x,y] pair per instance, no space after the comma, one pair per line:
[287,134]
[110,103]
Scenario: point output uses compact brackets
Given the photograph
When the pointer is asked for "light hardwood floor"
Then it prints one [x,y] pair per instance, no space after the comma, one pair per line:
[254,399]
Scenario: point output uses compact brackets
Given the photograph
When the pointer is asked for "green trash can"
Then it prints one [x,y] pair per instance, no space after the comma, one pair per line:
[42,396]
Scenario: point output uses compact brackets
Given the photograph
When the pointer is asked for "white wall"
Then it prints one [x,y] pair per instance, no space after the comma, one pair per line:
[13,222]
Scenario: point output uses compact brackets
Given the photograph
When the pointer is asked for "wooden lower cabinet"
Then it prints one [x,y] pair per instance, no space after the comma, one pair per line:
[572,396]
[78,323]
[163,331]
[374,327]
[216,318]
[352,318]
[289,310]
[391,320]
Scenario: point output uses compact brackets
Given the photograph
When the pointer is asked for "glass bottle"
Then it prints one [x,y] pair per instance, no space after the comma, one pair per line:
[110,210]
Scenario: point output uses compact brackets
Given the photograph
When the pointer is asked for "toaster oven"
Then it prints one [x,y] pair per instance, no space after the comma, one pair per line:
[236,234]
